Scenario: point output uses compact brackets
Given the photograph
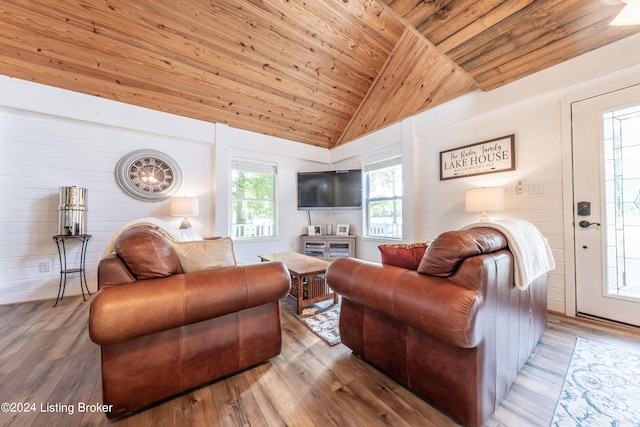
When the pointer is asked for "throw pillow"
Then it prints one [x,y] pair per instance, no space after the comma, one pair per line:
[405,255]
[205,254]
[147,253]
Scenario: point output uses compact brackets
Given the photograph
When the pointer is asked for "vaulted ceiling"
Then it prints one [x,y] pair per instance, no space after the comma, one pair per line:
[320,72]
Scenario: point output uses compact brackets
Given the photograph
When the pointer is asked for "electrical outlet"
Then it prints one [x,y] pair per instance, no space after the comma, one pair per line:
[537,188]
[45,267]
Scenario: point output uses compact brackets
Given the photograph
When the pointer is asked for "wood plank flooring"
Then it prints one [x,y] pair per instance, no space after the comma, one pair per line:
[48,363]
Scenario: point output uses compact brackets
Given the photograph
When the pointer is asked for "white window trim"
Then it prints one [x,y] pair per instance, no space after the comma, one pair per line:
[371,166]
[259,166]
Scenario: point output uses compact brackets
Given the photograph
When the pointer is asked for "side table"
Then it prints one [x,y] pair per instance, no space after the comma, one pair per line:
[60,240]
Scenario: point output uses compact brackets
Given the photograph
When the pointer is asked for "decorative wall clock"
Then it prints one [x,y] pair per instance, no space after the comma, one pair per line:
[148,175]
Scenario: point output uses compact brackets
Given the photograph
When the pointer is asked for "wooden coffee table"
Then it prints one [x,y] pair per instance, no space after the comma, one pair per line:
[308,284]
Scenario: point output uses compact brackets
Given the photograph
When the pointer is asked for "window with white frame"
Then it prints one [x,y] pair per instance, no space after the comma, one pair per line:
[384,198]
[253,200]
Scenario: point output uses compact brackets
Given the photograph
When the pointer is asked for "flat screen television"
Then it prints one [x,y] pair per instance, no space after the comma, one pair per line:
[339,189]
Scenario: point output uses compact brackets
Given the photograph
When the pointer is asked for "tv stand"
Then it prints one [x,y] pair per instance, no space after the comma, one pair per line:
[328,246]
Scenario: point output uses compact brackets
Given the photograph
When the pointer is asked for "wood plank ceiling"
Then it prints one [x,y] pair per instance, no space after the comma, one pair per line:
[320,72]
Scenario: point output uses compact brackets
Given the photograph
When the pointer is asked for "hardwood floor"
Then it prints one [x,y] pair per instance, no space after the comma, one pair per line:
[48,363]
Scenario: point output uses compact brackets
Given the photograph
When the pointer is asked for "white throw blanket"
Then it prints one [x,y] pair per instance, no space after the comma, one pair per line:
[158,224]
[531,252]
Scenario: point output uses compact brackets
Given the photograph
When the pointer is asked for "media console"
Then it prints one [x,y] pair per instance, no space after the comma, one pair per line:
[328,246]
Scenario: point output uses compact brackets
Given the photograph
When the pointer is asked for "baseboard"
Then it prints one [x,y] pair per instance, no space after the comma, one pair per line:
[34,295]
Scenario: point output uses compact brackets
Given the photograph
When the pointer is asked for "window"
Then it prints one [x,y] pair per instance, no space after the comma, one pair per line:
[253,200]
[384,198]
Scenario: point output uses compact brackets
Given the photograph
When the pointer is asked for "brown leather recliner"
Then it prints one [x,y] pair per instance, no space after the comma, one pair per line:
[163,331]
[456,335]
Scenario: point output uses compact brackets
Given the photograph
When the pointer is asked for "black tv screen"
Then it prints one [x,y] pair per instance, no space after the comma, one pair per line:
[341,189]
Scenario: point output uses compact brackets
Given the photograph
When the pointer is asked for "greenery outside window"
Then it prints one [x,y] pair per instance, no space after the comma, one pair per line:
[253,201]
[384,198]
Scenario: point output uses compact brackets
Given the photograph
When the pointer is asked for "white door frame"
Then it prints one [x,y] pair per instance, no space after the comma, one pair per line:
[615,81]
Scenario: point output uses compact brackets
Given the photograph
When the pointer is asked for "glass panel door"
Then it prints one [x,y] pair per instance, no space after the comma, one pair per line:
[606,190]
[622,199]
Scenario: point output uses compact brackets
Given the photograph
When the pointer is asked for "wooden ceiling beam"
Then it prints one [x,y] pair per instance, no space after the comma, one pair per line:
[521,44]
[179,103]
[211,60]
[139,66]
[415,78]
[479,21]
[583,41]
[511,35]
[457,15]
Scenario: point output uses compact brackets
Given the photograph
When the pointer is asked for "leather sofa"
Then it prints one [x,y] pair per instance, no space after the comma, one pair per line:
[456,331]
[163,331]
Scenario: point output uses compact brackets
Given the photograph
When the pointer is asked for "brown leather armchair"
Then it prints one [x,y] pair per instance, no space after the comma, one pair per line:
[456,334]
[163,331]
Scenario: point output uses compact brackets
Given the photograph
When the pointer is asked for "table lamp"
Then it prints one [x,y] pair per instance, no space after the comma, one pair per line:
[484,199]
[185,207]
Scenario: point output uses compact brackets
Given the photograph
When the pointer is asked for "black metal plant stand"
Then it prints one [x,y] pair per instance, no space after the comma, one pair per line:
[60,240]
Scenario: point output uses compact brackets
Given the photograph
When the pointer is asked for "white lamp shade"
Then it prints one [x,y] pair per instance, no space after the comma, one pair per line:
[629,15]
[185,206]
[485,199]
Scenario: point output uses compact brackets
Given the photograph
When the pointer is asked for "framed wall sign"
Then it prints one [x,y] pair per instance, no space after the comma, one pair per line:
[494,155]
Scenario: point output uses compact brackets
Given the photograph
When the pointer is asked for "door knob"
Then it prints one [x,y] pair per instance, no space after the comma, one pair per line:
[587,224]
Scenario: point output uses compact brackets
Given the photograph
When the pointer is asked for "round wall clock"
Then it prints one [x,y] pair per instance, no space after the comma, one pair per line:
[148,175]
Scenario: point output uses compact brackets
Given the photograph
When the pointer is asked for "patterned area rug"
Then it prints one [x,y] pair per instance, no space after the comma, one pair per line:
[602,388]
[322,318]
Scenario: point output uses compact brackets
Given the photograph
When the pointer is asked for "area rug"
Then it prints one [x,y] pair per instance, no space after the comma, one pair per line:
[322,318]
[601,388]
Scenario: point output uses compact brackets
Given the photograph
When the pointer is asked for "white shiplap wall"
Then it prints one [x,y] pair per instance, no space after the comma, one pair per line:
[536,126]
[42,152]
[439,205]
[51,138]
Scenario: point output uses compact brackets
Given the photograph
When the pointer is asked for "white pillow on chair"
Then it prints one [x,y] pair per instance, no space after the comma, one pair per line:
[205,254]
[162,226]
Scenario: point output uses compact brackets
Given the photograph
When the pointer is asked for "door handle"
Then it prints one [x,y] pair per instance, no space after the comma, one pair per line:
[587,224]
